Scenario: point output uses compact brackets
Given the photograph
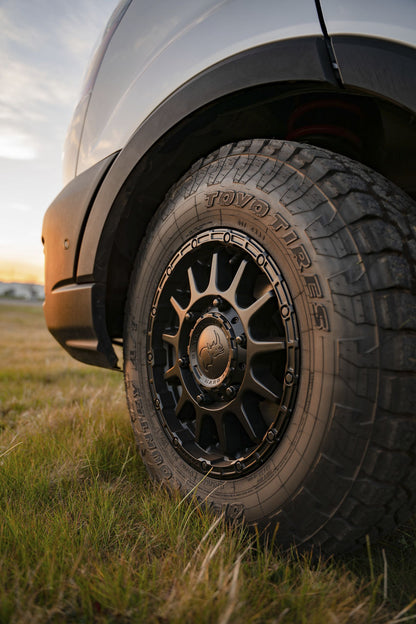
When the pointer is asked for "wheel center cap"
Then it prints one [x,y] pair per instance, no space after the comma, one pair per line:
[210,351]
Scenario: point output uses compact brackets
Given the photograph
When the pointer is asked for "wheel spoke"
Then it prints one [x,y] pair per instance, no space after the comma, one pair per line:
[232,289]
[212,286]
[257,305]
[198,427]
[171,339]
[172,373]
[178,309]
[184,398]
[221,435]
[198,424]
[258,387]
[192,284]
[244,421]
[258,347]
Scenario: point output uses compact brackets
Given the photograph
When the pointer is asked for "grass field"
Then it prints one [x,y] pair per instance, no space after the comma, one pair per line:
[86,537]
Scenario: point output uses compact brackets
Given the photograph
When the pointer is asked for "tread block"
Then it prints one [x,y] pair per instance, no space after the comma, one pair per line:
[398,351]
[396,310]
[395,434]
[386,466]
[398,393]
[376,236]
[356,205]
[359,309]
[388,272]
[369,492]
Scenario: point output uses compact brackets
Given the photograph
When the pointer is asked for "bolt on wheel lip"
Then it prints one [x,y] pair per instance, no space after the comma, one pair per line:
[216,386]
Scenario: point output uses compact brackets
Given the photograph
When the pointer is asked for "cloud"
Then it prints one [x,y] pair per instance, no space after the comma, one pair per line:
[15,145]
[24,85]
[44,48]
[16,31]
[35,107]
[29,101]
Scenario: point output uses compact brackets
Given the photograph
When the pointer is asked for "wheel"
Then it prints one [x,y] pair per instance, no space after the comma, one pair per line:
[270,346]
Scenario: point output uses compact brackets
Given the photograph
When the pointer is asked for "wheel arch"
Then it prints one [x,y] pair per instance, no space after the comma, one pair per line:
[212,110]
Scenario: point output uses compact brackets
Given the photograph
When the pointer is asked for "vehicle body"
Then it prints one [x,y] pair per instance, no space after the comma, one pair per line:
[171,83]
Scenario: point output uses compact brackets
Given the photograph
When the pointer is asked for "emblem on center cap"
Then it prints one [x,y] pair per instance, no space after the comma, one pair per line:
[212,351]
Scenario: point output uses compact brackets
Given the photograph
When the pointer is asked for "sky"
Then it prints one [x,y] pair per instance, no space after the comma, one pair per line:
[45,47]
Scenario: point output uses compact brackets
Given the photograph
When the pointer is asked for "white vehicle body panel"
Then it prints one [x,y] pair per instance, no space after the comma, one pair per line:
[159,37]
[394,21]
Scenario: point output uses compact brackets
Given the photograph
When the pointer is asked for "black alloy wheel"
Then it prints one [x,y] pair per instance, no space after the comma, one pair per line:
[223,353]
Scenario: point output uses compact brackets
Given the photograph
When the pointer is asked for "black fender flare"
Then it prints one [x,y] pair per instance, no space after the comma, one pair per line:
[378,66]
[291,60]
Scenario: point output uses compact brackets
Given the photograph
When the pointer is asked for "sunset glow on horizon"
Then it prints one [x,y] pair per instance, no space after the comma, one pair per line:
[44,53]
[23,272]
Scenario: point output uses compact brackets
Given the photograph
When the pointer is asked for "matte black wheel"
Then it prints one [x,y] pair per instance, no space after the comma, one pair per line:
[223,353]
[270,344]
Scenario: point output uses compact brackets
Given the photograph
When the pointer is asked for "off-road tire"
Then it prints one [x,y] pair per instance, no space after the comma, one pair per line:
[334,242]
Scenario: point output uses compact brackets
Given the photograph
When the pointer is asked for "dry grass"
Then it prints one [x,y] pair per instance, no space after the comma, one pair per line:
[86,537]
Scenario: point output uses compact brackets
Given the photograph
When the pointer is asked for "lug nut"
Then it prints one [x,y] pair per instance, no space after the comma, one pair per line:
[239,466]
[203,398]
[218,302]
[241,340]
[231,391]
[183,361]
[189,316]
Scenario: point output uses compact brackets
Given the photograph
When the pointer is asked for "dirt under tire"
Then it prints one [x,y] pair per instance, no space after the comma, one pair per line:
[270,343]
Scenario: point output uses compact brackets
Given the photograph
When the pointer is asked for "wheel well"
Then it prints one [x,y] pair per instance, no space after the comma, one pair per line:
[365,127]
